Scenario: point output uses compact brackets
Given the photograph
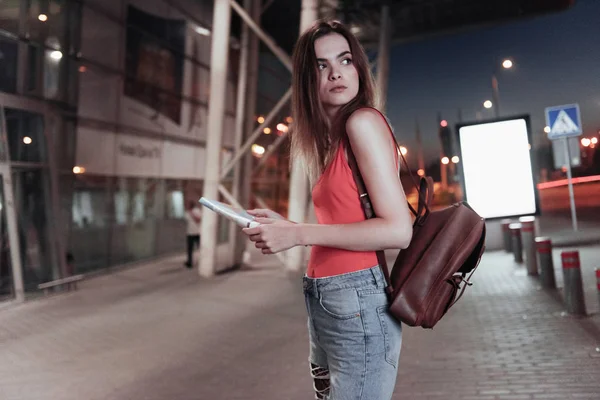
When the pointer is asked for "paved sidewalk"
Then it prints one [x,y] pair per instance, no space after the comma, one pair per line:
[159,332]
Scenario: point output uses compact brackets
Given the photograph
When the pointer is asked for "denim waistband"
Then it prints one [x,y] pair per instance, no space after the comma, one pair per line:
[370,277]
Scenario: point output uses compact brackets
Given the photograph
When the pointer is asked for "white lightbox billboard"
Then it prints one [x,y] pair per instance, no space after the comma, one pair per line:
[496,168]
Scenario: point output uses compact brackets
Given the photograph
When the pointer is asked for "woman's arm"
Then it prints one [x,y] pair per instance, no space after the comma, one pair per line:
[372,146]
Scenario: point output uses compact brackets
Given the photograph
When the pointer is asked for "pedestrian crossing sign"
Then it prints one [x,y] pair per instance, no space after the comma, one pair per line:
[564,121]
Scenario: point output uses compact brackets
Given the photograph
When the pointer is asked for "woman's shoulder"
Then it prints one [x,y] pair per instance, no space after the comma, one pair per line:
[367,119]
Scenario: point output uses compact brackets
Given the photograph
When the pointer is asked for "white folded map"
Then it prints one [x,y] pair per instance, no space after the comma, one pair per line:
[240,217]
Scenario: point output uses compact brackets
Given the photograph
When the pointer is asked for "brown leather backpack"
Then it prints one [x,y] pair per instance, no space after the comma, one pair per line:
[446,245]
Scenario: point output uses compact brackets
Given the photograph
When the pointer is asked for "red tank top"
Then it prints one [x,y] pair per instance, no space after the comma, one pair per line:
[335,198]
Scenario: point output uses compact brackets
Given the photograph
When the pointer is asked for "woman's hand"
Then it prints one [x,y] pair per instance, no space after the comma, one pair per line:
[265,213]
[274,235]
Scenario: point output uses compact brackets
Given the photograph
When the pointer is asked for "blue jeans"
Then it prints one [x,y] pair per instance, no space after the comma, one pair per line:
[354,341]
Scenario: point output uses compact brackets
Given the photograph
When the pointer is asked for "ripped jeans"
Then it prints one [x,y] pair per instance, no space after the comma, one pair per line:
[354,342]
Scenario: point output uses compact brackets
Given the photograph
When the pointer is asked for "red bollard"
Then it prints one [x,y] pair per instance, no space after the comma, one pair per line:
[598,282]
[528,241]
[573,284]
[517,245]
[506,235]
[543,246]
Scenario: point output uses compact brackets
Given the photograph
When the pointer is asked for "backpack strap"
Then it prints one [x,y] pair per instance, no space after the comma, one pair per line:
[370,213]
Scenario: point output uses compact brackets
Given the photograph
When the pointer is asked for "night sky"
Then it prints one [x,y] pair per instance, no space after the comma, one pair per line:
[557,61]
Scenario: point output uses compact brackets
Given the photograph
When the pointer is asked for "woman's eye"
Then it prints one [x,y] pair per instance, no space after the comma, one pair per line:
[321,67]
[346,61]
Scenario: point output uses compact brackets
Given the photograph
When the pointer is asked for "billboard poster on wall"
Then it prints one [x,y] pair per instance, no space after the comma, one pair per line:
[496,167]
[154,61]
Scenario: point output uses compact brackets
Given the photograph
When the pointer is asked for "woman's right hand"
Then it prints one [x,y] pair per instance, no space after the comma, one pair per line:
[265,213]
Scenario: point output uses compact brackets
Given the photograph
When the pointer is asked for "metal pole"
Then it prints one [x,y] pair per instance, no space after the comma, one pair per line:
[239,122]
[573,285]
[298,180]
[279,53]
[528,241]
[495,95]
[598,283]
[216,113]
[517,246]
[383,58]
[570,180]
[506,235]
[250,120]
[544,251]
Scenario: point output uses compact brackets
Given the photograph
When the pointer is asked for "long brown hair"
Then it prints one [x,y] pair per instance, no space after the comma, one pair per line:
[314,139]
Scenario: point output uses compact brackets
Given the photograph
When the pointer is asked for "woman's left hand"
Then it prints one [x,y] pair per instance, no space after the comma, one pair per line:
[273,235]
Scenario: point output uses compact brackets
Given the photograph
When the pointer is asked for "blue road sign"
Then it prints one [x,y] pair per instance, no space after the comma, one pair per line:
[564,121]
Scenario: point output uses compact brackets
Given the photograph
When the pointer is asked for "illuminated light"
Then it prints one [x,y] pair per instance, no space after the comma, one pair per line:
[258,150]
[529,146]
[594,140]
[355,30]
[487,104]
[444,123]
[547,129]
[289,120]
[56,55]
[267,131]
[78,170]
[261,119]
[565,182]
[507,64]
[445,160]
[202,31]
[282,127]
[484,146]
[585,142]
[43,17]
[27,140]
[82,68]
[421,172]
[403,150]
[455,160]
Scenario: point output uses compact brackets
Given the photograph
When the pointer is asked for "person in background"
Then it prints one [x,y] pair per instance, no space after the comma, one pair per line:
[193,216]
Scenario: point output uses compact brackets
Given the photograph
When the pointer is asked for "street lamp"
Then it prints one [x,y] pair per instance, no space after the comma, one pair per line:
[487,104]
[403,150]
[445,160]
[506,64]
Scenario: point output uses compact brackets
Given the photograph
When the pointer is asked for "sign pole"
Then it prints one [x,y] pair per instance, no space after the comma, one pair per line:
[565,141]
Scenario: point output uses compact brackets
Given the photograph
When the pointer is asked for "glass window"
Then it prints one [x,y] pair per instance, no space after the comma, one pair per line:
[25,133]
[174,202]
[9,14]
[171,237]
[90,224]
[8,66]
[33,202]
[135,208]
[6,278]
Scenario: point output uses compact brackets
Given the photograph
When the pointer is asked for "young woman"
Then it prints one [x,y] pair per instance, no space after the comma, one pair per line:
[354,342]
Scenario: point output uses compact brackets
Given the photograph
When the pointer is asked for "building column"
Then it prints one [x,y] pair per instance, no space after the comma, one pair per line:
[298,180]
[216,114]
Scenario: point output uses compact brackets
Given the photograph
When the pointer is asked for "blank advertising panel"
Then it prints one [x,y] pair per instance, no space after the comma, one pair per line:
[496,168]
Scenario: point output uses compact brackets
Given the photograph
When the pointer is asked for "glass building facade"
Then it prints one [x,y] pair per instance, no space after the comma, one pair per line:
[103,118]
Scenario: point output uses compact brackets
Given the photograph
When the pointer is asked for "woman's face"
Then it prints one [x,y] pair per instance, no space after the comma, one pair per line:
[338,77]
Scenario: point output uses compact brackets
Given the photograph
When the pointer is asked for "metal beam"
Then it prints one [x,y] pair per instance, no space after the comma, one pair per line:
[269,152]
[279,53]
[272,114]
